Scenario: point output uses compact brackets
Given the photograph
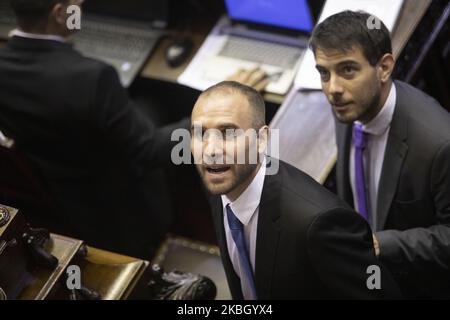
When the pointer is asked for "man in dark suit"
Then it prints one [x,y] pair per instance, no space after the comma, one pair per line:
[281,234]
[395,166]
[74,120]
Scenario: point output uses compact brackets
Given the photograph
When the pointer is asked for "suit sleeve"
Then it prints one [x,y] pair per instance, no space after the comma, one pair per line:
[423,254]
[121,125]
[341,251]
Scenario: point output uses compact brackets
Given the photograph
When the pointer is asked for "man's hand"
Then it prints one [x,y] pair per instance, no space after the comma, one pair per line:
[255,78]
[376,245]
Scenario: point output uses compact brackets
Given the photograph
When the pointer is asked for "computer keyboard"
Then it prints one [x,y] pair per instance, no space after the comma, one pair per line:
[261,52]
[99,39]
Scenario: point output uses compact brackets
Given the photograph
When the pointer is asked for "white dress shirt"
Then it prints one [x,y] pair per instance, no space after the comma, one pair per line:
[378,130]
[246,209]
[18,33]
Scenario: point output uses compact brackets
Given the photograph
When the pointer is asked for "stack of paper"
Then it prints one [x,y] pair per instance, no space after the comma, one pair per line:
[305,136]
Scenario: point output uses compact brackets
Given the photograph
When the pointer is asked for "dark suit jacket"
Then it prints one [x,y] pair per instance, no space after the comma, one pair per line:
[75,121]
[310,244]
[414,192]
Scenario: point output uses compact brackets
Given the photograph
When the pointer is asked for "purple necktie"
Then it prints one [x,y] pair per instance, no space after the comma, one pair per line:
[360,143]
[237,231]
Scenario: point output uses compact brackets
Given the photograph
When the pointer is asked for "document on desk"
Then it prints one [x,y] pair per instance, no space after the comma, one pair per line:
[306,132]
[386,10]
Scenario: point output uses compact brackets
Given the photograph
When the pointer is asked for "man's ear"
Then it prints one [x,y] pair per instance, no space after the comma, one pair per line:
[59,14]
[263,139]
[387,64]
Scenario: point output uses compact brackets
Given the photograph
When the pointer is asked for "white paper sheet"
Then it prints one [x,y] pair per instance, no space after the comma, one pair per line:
[306,133]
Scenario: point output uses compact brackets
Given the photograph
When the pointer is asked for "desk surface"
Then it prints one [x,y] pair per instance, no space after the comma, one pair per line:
[64,249]
[112,275]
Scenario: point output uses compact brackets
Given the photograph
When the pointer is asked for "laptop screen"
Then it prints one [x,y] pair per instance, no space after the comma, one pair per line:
[291,14]
[153,11]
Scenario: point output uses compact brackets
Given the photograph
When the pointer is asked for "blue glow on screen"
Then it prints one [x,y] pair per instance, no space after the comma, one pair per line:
[292,14]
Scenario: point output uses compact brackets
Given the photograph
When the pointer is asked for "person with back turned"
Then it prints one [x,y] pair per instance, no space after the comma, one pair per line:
[73,119]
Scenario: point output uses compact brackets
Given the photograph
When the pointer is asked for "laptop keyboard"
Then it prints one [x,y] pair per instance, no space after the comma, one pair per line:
[261,52]
[111,41]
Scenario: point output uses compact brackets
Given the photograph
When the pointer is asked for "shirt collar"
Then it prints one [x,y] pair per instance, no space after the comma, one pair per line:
[245,206]
[19,33]
[378,125]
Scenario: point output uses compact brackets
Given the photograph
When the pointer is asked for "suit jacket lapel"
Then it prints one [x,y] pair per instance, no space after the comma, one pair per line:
[344,140]
[396,150]
[267,235]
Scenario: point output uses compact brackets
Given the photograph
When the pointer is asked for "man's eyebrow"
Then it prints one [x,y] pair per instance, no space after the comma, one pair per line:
[220,127]
[340,64]
[347,62]
[225,126]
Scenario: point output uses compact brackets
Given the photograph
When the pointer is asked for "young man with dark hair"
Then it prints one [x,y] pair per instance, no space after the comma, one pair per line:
[281,235]
[73,119]
[394,151]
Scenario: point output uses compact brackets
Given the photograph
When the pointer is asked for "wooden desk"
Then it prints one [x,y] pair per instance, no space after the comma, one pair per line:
[157,68]
[178,253]
[45,281]
[112,275]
